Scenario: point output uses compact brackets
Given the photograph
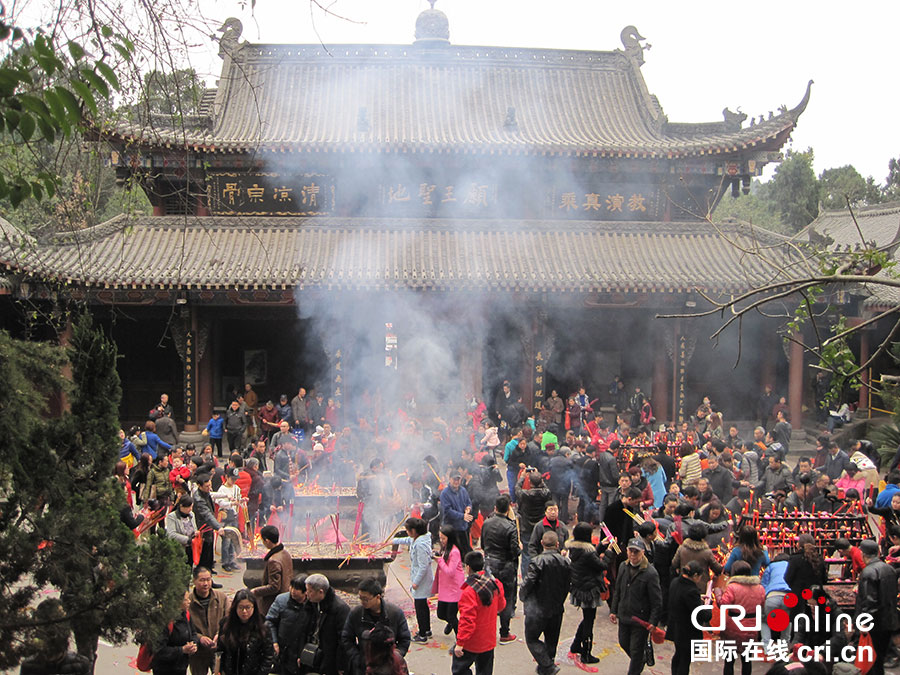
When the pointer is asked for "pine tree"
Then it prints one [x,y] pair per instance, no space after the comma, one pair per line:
[60,526]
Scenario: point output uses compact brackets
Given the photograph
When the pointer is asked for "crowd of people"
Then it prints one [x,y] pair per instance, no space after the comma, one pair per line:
[649,519]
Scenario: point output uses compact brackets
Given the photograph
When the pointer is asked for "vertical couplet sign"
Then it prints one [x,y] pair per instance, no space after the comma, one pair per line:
[337,389]
[189,378]
[680,377]
[538,379]
[390,346]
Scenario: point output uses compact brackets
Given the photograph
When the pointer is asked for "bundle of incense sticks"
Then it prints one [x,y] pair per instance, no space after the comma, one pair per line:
[640,521]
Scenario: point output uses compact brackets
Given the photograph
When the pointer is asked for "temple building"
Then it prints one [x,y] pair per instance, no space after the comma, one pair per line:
[874,307]
[445,216]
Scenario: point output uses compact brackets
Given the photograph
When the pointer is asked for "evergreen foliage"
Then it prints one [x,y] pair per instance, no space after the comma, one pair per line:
[59,525]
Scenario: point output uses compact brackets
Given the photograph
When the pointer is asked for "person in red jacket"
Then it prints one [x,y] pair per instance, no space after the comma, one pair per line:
[481,600]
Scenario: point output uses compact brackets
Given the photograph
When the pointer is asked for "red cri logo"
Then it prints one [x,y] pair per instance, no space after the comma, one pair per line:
[779,620]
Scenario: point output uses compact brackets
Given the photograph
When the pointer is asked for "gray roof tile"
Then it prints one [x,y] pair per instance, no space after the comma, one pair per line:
[292,97]
[228,252]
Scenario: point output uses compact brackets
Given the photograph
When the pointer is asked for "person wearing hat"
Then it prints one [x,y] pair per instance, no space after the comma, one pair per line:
[206,516]
[228,498]
[876,594]
[543,593]
[637,596]
[457,508]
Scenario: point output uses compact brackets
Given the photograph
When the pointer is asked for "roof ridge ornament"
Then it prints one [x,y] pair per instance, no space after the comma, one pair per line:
[432,27]
[631,40]
[231,31]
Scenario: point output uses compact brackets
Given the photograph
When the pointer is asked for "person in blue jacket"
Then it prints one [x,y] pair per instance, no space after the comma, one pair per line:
[215,429]
[776,588]
[457,508]
[154,442]
[421,574]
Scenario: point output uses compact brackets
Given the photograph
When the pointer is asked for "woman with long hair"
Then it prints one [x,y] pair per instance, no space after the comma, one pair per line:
[381,654]
[138,476]
[244,645]
[421,575]
[587,587]
[805,569]
[450,578]
[749,550]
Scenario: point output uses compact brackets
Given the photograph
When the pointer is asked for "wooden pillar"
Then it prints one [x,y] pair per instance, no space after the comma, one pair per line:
[659,394]
[795,383]
[159,209]
[201,209]
[864,375]
[767,366]
[59,402]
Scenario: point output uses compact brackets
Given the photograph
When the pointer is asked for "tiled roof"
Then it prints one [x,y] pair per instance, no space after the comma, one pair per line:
[456,98]
[232,252]
[878,224]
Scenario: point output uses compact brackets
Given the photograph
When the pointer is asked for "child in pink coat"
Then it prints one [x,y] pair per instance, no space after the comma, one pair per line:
[449,579]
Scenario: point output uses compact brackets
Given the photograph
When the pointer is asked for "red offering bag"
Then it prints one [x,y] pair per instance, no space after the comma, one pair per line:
[863,662]
[144,660]
[196,547]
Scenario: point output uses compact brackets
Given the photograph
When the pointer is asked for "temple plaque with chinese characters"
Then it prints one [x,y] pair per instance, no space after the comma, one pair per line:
[269,194]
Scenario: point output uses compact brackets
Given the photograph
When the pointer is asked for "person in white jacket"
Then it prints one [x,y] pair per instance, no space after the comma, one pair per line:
[228,499]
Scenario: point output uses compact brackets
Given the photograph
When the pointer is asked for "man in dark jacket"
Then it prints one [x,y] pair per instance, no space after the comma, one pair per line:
[720,479]
[288,622]
[235,426]
[550,523]
[278,572]
[176,644]
[327,616]
[532,503]
[561,471]
[876,594]
[620,523]
[372,610]
[500,542]
[637,595]
[684,598]
[544,592]
[205,514]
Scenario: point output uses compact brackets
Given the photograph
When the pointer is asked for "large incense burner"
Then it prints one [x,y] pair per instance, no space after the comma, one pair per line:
[345,566]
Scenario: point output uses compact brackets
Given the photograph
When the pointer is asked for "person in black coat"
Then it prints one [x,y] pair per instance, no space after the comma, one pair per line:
[500,541]
[244,644]
[684,598]
[637,595]
[172,650]
[544,591]
[372,610]
[877,595]
[328,614]
[288,623]
[587,588]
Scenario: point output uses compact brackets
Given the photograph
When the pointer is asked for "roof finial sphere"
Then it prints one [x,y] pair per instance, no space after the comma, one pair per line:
[432,26]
